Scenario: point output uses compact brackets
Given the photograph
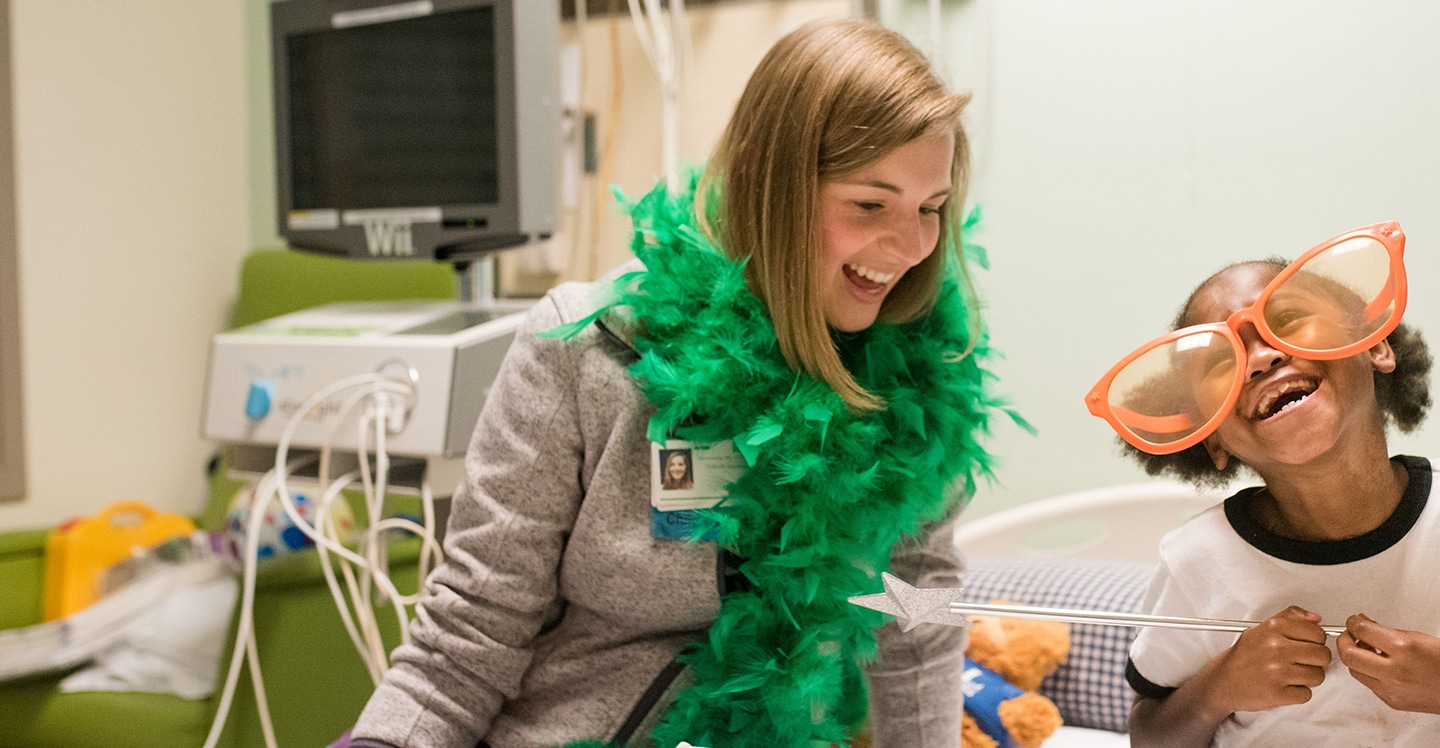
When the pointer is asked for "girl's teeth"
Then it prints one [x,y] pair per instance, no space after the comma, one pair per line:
[872,275]
[1292,404]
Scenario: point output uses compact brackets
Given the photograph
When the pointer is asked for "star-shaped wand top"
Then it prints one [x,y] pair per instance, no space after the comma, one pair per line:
[912,607]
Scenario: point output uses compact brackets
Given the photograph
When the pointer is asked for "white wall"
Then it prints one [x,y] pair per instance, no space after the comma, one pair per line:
[1133,147]
[130,144]
[1125,149]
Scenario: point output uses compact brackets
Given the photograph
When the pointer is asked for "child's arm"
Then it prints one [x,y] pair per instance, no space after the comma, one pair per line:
[1273,664]
[1401,667]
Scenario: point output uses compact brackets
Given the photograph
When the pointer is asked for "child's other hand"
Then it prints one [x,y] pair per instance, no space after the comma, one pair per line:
[1274,663]
[1401,667]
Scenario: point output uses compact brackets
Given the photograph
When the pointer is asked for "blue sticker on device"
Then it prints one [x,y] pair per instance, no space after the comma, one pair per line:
[984,690]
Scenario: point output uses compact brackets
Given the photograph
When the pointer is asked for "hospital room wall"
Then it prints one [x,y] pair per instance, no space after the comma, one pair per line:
[130,151]
[1123,150]
[1130,148]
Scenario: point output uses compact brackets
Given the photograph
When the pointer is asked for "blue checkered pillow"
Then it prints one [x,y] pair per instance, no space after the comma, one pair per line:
[1090,688]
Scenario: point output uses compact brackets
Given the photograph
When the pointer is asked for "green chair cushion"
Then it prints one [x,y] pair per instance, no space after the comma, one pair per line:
[275,282]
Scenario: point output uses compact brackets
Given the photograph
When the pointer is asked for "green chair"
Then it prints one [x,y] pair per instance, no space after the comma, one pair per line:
[277,281]
[315,682]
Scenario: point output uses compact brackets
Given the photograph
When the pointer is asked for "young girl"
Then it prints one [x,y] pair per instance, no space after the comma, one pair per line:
[799,318]
[1293,371]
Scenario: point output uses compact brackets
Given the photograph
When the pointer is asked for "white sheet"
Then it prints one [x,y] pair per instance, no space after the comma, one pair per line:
[1081,737]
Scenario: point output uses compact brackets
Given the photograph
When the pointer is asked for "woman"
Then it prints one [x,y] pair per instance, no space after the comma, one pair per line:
[1292,370]
[677,475]
[801,306]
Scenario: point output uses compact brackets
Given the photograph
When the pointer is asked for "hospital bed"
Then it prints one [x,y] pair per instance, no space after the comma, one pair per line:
[1094,549]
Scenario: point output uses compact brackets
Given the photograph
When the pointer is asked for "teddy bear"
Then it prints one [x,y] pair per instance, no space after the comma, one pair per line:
[1004,664]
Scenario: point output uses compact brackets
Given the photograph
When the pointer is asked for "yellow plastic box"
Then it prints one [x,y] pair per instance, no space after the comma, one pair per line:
[78,551]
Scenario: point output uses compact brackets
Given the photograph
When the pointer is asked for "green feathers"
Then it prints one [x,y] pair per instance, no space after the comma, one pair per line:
[829,490]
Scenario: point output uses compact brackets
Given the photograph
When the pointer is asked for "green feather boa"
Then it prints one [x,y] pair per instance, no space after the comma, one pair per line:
[828,491]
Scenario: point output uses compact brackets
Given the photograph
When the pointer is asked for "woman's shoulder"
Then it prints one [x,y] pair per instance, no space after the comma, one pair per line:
[583,314]
[575,300]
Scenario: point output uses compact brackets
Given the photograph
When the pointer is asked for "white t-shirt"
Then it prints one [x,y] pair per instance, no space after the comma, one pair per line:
[1222,564]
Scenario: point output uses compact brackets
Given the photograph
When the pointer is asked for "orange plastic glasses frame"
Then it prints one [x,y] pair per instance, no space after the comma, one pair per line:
[1122,420]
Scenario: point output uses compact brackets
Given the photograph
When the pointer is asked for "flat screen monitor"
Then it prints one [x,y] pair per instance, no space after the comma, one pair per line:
[424,129]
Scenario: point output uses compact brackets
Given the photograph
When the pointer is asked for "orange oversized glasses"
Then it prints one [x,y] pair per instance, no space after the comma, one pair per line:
[1338,299]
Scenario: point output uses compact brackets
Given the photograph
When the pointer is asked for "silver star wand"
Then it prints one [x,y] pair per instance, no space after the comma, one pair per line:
[912,607]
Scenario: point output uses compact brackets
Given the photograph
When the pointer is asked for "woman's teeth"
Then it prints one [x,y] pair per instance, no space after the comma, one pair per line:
[874,276]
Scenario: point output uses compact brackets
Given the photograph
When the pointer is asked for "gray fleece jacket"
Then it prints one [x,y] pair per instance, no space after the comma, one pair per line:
[557,617]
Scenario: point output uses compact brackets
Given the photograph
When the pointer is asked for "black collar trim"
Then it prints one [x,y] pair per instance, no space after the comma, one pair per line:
[1239,511]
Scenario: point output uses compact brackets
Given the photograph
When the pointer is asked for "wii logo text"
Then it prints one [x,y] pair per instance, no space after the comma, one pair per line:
[388,237]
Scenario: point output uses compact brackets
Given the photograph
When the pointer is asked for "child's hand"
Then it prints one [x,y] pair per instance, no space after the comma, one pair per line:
[1274,663]
[1401,667]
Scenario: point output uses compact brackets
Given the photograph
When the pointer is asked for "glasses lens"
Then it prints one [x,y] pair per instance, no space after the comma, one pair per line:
[1173,389]
[1337,298]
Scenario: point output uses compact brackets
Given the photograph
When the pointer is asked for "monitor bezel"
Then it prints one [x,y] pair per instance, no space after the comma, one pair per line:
[506,223]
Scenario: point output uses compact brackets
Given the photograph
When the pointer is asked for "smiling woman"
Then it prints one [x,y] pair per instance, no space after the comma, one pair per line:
[878,222]
[874,174]
[799,317]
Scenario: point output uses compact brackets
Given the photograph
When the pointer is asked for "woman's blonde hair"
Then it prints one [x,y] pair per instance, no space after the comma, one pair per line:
[829,99]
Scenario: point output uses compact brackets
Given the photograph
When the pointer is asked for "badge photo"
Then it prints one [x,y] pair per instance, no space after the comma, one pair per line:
[692,475]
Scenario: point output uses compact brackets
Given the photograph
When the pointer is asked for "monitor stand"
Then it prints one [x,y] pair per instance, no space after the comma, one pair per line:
[475,279]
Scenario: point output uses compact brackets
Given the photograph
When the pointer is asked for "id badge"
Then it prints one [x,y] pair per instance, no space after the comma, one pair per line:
[687,476]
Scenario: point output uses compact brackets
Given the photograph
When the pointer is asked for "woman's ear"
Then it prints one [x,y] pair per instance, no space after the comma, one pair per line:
[1382,356]
[1217,453]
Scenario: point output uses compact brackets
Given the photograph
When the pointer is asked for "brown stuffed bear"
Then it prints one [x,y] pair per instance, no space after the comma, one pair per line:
[1023,652]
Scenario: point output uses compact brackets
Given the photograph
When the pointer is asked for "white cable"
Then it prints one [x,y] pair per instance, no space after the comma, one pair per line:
[247,603]
[262,706]
[372,564]
[342,603]
[666,65]
[658,39]
[373,646]
[685,54]
[376,550]
[641,32]
[327,522]
[284,447]
[669,104]
[582,17]
[383,415]
[431,551]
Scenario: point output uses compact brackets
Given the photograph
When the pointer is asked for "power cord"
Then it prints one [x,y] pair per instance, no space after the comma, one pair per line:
[387,404]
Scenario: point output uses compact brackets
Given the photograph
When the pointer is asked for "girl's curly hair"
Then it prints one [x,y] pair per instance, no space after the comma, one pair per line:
[1403,396]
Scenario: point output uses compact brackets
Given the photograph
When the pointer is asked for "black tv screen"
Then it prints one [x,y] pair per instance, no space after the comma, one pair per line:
[397,114]
[415,129]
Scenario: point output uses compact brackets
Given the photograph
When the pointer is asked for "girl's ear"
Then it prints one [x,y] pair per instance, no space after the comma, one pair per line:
[1217,453]
[1382,356]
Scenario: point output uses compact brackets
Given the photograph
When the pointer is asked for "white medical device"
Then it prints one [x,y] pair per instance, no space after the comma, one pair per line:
[447,352]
